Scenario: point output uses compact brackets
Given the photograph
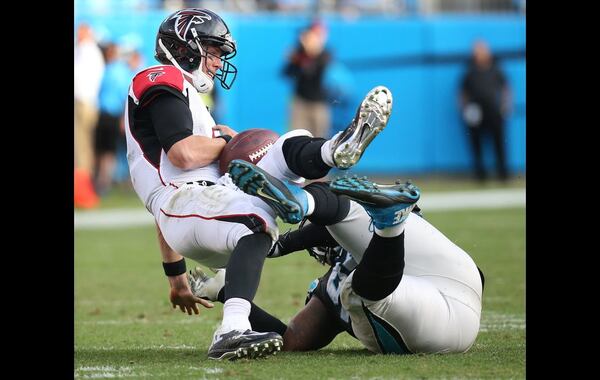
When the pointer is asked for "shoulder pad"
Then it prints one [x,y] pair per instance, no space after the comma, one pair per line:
[157,76]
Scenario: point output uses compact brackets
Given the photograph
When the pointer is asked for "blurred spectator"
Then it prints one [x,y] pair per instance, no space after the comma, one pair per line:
[485,100]
[88,71]
[135,63]
[292,5]
[112,98]
[369,6]
[306,65]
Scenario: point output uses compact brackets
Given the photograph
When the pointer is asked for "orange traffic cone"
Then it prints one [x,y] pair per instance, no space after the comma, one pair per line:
[85,196]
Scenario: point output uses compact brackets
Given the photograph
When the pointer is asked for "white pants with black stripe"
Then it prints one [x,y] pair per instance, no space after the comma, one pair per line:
[436,308]
[204,223]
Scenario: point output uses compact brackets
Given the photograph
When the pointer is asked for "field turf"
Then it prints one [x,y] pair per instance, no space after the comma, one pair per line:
[125,326]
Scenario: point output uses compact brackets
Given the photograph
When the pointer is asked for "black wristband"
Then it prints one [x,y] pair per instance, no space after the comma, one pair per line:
[227,138]
[174,269]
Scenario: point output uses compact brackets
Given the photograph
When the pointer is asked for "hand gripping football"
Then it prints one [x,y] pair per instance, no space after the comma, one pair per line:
[250,145]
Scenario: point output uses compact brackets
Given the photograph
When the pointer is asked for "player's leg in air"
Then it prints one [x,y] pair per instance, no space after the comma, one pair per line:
[297,155]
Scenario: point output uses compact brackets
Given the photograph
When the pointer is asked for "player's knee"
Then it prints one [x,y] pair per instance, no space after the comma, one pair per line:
[256,244]
[330,208]
[303,156]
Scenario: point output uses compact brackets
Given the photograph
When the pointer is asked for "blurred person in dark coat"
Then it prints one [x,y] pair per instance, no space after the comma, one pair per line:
[484,100]
[307,65]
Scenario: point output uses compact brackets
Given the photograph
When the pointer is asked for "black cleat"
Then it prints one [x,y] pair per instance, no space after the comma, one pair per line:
[249,344]
[388,205]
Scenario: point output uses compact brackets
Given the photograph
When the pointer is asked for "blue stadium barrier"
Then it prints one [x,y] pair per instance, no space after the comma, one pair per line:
[421,59]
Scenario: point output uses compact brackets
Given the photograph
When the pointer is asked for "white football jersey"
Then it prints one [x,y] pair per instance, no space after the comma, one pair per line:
[151,171]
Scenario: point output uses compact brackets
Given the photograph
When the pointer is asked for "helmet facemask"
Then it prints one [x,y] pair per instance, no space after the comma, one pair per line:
[192,57]
[227,73]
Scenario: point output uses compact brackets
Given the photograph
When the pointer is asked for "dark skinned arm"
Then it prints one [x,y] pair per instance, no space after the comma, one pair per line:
[312,328]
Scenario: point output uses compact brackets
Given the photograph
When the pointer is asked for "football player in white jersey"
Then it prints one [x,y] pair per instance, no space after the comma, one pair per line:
[172,150]
[398,284]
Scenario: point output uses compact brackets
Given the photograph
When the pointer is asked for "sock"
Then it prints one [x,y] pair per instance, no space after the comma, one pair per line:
[260,320]
[390,231]
[245,266]
[311,203]
[235,315]
[381,268]
[302,156]
[327,153]
[328,207]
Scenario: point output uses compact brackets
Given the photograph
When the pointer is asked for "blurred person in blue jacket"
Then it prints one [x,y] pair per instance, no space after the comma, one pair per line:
[112,98]
[135,62]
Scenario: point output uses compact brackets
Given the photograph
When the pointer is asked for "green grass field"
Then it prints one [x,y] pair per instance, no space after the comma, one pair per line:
[125,326]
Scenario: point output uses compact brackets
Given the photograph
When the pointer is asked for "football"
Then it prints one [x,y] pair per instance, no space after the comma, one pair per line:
[250,145]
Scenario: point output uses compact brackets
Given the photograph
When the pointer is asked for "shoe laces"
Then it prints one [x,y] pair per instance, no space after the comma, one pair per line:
[225,180]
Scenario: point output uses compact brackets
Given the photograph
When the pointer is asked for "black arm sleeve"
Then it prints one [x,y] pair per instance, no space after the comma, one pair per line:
[171,118]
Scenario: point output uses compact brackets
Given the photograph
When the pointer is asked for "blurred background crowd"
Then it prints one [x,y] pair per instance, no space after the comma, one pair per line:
[456,69]
[300,6]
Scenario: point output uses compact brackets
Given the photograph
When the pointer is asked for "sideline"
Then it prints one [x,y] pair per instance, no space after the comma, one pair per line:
[432,202]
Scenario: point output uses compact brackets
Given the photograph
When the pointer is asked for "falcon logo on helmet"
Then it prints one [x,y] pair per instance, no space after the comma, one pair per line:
[185,19]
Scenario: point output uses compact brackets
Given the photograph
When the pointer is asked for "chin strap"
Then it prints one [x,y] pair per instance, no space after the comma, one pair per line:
[199,79]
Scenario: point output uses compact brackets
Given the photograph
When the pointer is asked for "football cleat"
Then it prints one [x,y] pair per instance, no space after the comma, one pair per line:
[237,344]
[388,205]
[371,117]
[288,201]
[206,287]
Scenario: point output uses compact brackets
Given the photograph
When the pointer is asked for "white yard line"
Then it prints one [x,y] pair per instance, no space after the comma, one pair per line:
[144,321]
[493,321]
[431,202]
[110,372]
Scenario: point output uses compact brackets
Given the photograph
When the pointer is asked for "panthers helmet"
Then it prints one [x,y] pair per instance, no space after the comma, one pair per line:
[182,39]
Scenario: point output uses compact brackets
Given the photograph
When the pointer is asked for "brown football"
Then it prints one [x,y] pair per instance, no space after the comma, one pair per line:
[250,145]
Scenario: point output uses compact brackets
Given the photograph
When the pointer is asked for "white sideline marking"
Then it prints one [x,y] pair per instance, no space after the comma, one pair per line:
[472,199]
[103,372]
[114,303]
[109,372]
[112,218]
[493,321]
[151,347]
[144,321]
[212,371]
[431,202]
